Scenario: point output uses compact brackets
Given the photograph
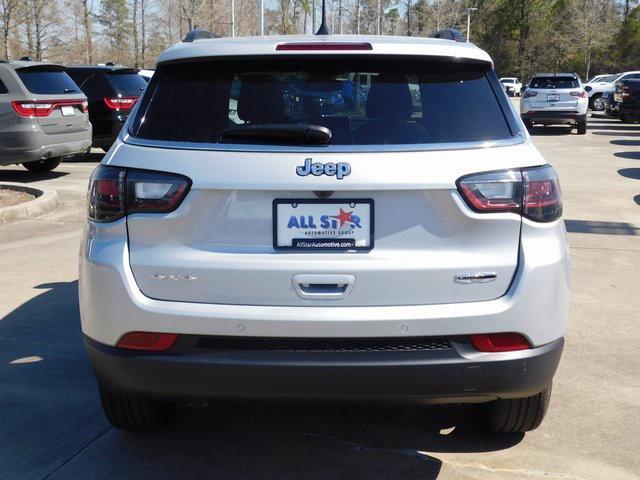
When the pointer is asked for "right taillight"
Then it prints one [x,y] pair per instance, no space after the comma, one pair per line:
[115,192]
[533,193]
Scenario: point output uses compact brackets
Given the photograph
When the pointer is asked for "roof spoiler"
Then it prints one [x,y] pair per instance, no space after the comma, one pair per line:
[199,34]
[449,34]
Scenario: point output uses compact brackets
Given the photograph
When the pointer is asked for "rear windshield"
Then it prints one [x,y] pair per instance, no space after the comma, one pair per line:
[361,101]
[127,83]
[47,82]
[554,82]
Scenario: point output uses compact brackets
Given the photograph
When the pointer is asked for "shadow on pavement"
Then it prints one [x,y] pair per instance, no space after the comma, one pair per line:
[86,158]
[633,173]
[615,134]
[601,228]
[24,176]
[541,131]
[637,199]
[629,155]
[625,143]
[52,421]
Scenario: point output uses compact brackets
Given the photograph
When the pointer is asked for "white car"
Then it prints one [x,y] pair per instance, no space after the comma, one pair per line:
[596,90]
[512,85]
[146,74]
[405,248]
[555,98]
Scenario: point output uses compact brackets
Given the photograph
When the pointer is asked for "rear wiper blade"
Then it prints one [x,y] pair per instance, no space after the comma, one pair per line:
[282,133]
[70,90]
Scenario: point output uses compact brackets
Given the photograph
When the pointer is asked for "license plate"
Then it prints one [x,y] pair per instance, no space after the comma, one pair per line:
[617,98]
[553,98]
[67,110]
[314,224]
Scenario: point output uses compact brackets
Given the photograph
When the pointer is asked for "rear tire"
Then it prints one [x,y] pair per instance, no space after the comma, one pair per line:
[516,414]
[626,118]
[582,128]
[137,413]
[40,166]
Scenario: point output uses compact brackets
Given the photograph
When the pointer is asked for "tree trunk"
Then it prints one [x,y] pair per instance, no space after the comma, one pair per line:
[86,23]
[134,32]
[143,33]
[37,29]
[408,18]
[358,17]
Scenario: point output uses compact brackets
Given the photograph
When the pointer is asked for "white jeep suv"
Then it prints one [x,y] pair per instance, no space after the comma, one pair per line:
[320,243]
[555,98]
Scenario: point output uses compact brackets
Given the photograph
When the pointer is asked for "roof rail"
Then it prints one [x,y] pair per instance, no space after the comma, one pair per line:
[198,34]
[449,34]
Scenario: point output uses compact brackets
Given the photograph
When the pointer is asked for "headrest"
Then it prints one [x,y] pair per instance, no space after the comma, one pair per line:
[260,100]
[389,98]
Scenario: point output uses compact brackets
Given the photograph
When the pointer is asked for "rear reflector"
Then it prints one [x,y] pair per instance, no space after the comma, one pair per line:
[499,342]
[323,46]
[148,341]
[120,103]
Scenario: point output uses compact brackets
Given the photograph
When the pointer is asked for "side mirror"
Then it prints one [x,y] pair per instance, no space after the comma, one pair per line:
[588,88]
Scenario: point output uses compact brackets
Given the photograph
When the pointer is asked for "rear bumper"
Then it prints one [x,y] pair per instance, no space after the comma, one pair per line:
[554,116]
[458,374]
[24,147]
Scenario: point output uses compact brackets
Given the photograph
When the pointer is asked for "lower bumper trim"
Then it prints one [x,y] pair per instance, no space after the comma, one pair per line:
[458,374]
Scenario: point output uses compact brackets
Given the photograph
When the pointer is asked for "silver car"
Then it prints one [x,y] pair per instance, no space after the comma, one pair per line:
[397,247]
[43,116]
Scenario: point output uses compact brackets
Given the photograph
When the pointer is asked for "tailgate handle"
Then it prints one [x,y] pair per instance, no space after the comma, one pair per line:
[323,286]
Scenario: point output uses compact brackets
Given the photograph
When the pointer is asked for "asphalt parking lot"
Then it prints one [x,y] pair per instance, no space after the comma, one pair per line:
[51,425]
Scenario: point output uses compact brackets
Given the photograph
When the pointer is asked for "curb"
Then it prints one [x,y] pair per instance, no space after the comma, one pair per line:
[45,201]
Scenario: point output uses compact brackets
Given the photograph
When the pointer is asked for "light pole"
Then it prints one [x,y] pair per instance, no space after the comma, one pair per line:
[233,18]
[262,17]
[469,11]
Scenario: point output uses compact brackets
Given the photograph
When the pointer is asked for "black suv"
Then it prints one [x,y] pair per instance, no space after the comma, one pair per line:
[112,91]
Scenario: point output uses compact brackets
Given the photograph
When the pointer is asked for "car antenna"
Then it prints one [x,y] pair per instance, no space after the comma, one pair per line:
[323,30]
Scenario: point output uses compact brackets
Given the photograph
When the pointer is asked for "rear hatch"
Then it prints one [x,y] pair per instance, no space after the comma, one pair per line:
[372,217]
[554,93]
[49,85]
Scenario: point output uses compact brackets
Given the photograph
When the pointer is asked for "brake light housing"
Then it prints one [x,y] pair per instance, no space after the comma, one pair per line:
[581,94]
[43,108]
[115,192]
[323,46]
[120,103]
[528,94]
[532,192]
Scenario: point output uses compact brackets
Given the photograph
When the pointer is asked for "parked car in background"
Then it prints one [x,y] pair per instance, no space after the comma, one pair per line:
[112,91]
[555,98]
[627,95]
[146,74]
[512,85]
[43,115]
[609,105]
[597,78]
[236,256]
[596,91]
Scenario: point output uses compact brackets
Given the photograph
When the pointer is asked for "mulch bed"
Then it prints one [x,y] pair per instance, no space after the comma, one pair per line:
[10,197]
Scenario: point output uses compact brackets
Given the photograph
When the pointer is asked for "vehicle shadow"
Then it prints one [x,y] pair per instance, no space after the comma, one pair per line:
[52,417]
[551,130]
[91,157]
[637,199]
[628,155]
[22,175]
[633,173]
[625,143]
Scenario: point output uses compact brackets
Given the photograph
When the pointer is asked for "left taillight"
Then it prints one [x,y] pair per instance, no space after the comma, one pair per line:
[115,192]
[532,192]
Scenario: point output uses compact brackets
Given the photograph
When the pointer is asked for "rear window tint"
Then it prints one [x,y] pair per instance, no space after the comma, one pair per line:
[554,82]
[363,101]
[127,83]
[47,82]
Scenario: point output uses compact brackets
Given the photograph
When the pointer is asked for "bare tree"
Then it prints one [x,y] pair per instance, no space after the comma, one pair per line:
[7,17]
[86,24]
[589,22]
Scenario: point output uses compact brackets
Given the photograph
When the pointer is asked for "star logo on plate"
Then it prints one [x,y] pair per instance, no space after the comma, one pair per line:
[344,217]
